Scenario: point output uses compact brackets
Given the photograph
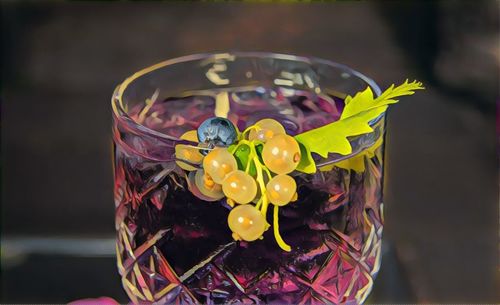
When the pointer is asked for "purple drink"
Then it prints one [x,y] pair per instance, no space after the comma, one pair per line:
[174,247]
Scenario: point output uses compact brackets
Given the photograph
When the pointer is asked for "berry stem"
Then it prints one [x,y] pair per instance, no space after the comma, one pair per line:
[247,130]
[232,148]
[250,157]
[283,245]
[259,203]
[266,170]
[247,169]
[262,185]
[265,204]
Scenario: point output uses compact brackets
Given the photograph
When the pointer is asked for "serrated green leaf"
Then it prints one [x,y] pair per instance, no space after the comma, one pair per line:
[355,118]
[332,138]
[364,100]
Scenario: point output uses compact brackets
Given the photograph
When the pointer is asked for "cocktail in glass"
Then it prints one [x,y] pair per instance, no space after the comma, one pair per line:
[175,247]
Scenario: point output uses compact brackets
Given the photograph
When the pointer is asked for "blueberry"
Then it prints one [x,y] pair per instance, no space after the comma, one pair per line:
[217,132]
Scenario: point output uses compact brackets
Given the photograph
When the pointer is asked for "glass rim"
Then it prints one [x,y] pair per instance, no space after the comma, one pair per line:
[120,114]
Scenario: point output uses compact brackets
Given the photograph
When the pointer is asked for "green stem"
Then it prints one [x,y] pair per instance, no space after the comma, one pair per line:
[267,172]
[247,130]
[250,155]
[283,245]
[260,181]
[247,168]
[259,203]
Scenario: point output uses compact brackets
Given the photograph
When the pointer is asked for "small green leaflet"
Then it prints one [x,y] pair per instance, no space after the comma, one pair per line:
[358,112]
[241,155]
[306,163]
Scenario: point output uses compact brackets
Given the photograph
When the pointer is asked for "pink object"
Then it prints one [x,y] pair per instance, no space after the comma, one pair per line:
[96,301]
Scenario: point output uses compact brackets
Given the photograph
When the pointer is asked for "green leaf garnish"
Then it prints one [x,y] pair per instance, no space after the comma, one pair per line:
[364,101]
[358,112]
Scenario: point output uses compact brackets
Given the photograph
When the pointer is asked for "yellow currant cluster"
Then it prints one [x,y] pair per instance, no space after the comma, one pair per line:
[251,173]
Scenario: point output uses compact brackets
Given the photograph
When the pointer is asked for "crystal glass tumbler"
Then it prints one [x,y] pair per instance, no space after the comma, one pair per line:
[173,247]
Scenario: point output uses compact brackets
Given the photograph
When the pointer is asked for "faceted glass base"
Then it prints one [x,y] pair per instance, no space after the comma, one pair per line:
[174,248]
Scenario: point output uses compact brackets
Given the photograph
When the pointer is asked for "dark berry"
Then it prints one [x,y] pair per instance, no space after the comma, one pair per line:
[217,132]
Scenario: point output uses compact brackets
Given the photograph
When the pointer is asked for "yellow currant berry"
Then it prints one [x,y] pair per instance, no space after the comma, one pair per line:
[207,186]
[246,222]
[281,154]
[190,136]
[240,187]
[218,163]
[281,189]
[266,129]
[188,153]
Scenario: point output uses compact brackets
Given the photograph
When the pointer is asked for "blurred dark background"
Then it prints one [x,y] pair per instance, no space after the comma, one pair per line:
[60,62]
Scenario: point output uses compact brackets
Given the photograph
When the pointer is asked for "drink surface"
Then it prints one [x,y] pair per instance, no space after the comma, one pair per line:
[176,248]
